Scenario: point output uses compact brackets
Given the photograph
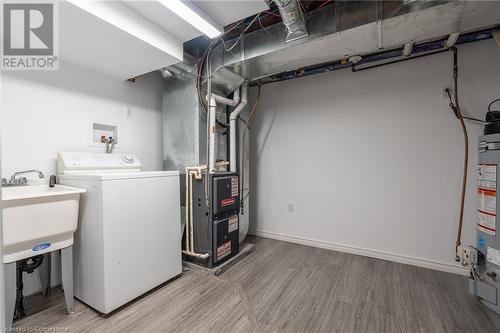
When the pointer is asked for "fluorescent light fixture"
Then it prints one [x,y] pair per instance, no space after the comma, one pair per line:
[190,16]
[452,39]
[118,15]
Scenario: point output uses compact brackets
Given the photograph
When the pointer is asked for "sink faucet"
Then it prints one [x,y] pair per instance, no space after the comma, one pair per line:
[20,181]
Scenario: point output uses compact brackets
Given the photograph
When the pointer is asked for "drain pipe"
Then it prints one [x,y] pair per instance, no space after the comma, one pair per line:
[226,101]
[240,105]
[212,113]
[191,172]
[232,127]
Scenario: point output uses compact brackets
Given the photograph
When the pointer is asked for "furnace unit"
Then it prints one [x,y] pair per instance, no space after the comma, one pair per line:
[216,226]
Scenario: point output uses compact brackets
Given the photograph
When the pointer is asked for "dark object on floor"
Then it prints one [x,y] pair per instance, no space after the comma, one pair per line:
[26,265]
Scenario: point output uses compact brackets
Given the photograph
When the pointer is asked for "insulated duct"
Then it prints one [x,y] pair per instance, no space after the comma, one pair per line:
[293,19]
[348,28]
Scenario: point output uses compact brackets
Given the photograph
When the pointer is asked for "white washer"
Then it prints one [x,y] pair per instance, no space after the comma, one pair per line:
[127,241]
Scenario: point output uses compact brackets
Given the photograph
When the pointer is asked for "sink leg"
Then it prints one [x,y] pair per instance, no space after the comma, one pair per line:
[10,272]
[67,277]
[45,273]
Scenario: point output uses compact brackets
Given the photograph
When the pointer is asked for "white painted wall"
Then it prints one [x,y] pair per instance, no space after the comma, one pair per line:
[372,161]
[46,112]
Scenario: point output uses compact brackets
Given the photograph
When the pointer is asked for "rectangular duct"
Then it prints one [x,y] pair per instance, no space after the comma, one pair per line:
[352,28]
[184,125]
[293,19]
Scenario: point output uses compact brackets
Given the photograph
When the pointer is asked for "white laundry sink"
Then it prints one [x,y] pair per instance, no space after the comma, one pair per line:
[38,219]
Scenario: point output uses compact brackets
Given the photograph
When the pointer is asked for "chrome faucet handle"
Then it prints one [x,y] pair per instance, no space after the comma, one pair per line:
[13,178]
[20,181]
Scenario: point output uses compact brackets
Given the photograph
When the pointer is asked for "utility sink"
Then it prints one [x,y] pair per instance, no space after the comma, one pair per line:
[38,219]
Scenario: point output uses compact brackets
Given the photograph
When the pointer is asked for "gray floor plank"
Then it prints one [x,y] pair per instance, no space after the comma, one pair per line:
[285,287]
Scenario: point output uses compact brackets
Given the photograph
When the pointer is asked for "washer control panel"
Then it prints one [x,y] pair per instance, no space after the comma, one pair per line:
[71,162]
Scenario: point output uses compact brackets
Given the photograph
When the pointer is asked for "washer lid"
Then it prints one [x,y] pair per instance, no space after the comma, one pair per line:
[68,163]
[119,175]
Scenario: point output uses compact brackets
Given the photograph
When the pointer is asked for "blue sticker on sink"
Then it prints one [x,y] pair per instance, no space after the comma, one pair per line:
[482,243]
[41,247]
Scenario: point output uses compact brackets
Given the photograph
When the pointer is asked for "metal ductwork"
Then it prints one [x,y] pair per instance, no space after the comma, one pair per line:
[293,19]
[350,28]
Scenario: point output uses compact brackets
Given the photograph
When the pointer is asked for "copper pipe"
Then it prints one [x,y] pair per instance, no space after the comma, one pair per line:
[466,151]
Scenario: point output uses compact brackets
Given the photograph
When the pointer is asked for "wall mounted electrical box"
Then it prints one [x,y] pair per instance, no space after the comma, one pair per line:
[98,131]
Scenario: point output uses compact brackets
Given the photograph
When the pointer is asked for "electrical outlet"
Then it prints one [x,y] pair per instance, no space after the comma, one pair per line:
[129,113]
[444,94]
[291,207]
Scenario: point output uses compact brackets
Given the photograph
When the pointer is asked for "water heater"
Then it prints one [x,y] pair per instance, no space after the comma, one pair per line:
[485,278]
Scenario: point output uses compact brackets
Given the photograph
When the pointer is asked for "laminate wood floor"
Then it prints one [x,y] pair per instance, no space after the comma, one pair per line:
[285,287]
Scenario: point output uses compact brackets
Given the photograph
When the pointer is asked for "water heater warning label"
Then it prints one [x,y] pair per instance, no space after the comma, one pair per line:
[493,256]
[486,201]
[487,198]
[486,223]
[487,176]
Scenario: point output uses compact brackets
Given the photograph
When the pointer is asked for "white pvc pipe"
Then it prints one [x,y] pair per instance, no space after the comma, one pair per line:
[496,36]
[191,172]
[452,39]
[211,155]
[232,128]
[408,48]
[226,101]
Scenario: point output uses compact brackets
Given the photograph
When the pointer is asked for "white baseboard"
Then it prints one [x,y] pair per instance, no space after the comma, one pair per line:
[425,263]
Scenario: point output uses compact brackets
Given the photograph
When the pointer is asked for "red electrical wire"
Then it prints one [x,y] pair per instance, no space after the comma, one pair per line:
[271,13]
[324,3]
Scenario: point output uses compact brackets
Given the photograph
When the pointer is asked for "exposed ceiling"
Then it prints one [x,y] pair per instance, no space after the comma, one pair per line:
[93,42]
[164,18]
[90,42]
[229,11]
[336,33]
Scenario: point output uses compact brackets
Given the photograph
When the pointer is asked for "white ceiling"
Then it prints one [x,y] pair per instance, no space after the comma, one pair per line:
[223,12]
[97,44]
[228,11]
[164,18]
[92,43]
